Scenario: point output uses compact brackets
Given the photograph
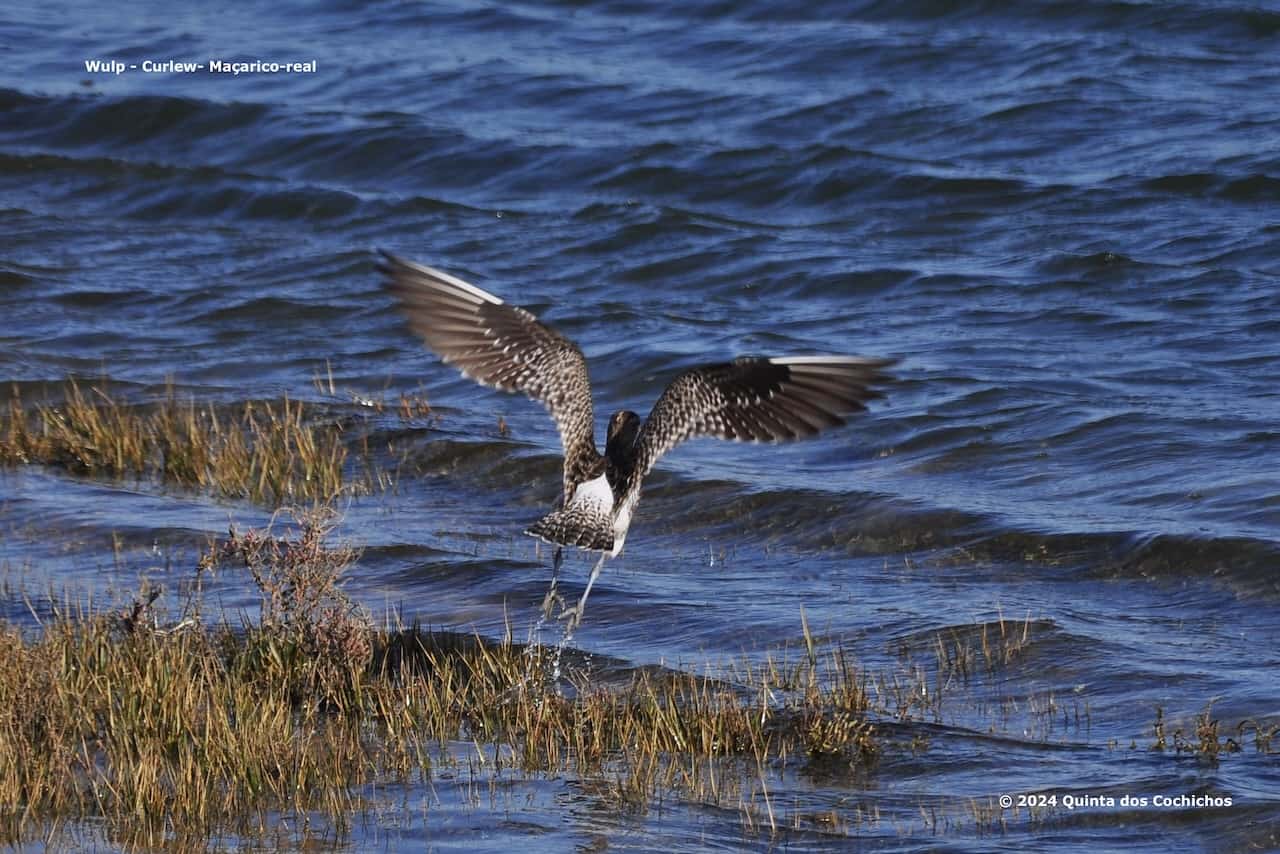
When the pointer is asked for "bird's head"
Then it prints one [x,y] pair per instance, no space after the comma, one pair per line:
[624,426]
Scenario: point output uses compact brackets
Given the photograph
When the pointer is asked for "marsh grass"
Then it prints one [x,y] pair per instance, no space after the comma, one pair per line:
[968,660]
[162,728]
[271,452]
[1205,741]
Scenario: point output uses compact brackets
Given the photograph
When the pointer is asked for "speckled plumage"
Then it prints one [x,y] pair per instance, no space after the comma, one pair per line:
[504,347]
[750,399]
[756,399]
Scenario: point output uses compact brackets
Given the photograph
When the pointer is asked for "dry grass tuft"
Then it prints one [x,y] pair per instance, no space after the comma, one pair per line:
[268,452]
[305,616]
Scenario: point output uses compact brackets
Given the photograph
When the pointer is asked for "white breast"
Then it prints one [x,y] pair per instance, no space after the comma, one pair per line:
[622,521]
[596,496]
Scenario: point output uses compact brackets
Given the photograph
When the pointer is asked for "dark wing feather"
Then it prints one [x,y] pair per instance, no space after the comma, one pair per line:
[759,400]
[504,347]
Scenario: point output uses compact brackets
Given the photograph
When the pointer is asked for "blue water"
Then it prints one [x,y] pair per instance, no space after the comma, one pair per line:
[1063,218]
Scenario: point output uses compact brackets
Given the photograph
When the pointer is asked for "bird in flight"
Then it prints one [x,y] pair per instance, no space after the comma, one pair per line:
[503,346]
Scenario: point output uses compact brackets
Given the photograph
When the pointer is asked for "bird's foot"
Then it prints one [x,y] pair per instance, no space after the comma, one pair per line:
[550,601]
[572,616]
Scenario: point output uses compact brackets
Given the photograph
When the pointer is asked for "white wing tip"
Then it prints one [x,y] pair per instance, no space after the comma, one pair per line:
[448,278]
[831,360]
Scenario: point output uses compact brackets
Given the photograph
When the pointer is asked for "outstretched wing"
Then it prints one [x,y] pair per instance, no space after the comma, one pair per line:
[758,400]
[504,347]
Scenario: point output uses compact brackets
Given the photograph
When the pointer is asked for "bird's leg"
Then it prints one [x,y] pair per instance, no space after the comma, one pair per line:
[575,614]
[552,594]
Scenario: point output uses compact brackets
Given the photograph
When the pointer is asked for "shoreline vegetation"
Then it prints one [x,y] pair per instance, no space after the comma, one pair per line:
[170,727]
[267,452]
[162,727]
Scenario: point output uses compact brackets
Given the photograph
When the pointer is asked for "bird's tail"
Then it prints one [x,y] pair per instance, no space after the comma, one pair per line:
[575,526]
